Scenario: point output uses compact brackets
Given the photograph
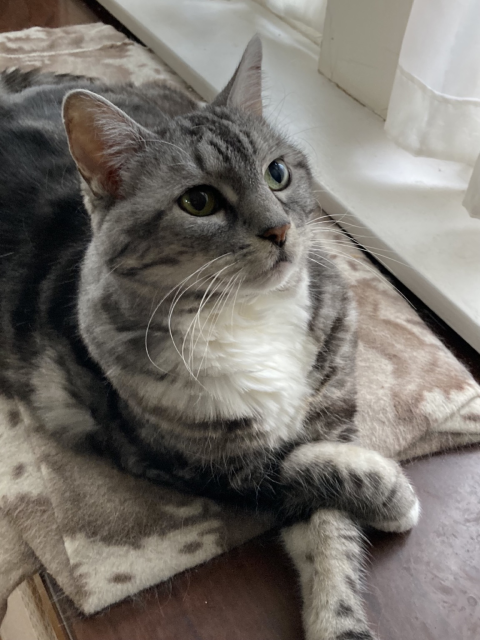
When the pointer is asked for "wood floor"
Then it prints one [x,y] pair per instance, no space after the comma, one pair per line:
[22,14]
[251,593]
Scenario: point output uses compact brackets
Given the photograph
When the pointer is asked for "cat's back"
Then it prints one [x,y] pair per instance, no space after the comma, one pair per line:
[42,219]
[44,227]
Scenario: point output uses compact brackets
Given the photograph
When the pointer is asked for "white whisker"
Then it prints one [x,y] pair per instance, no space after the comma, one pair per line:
[236,295]
[198,271]
[218,310]
[374,272]
[333,242]
[192,348]
[172,308]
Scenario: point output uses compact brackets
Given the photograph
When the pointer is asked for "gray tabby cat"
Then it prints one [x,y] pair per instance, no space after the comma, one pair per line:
[186,326]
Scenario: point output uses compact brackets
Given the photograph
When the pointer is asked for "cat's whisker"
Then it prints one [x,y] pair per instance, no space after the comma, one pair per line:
[278,109]
[236,295]
[325,266]
[346,214]
[327,223]
[378,275]
[198,271]
[342,234]
[191,326]
[207,339]
[172,308]
[181,353]
[317,219]
[212,311]
[321,215]
[353,242]
[204,280]
[196,320]
[218,308]
[364,248]
[203,303]
[297,133]
[326,219]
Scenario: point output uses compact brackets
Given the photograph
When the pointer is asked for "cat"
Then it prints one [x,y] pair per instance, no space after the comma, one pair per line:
[164,303]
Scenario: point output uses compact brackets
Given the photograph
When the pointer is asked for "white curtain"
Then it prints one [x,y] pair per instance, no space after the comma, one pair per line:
[434,108]
[309,14]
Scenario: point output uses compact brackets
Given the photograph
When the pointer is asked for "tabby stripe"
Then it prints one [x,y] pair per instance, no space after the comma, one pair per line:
[355,635]
[344,610]
[200,161]
[221,151]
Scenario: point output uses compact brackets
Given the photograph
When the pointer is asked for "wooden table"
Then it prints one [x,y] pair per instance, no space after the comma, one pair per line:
[428,589]
[421,586]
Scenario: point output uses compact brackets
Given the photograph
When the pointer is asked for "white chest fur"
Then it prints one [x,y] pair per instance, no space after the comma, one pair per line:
[251,358]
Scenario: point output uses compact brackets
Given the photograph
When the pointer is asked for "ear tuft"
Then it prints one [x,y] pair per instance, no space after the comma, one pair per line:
[244,91]
[102,139]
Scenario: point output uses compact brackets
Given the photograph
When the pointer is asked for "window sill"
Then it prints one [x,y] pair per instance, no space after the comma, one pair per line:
[409,208]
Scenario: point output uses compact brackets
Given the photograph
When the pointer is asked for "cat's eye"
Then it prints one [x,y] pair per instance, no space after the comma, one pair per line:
[200,201]
[277,175]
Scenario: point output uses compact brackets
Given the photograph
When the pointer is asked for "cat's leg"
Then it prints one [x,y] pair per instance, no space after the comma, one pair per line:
[327,552]
[343,476]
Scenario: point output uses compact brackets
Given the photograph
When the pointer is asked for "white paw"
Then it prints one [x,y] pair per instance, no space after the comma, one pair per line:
[403,524]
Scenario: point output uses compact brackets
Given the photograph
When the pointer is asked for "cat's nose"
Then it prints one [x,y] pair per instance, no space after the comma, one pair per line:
[277,235]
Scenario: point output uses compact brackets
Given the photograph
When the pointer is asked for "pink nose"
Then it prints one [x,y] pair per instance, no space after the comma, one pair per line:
[277,235]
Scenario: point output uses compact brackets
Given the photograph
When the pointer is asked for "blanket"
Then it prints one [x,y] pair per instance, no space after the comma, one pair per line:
[104,535]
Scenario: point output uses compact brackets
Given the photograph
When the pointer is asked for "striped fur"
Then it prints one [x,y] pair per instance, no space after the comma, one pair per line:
[191,351]
[328,550]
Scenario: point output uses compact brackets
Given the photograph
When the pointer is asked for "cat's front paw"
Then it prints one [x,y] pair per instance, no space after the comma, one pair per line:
[397,506]
[403,523]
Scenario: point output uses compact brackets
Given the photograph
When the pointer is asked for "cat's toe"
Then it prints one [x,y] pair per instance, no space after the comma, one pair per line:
[405,523]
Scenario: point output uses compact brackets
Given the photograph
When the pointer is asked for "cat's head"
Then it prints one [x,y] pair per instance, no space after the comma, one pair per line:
[217,186]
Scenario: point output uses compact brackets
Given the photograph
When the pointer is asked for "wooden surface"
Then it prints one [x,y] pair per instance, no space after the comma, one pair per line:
[426,585]
[248,594]
[422,586]
[45,603]
[22,14]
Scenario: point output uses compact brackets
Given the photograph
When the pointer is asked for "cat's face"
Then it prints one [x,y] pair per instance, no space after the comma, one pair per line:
[216,183]
[216,191]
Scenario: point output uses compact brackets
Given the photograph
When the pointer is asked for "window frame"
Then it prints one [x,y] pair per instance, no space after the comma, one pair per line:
[406,210]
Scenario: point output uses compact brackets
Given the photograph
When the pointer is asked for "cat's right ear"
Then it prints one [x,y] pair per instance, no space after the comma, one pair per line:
[102,140]
[244,91]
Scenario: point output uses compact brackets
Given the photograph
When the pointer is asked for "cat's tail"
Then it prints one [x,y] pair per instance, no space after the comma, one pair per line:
[328,554]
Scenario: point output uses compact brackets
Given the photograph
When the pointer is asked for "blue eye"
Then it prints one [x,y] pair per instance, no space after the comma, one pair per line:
[277,175]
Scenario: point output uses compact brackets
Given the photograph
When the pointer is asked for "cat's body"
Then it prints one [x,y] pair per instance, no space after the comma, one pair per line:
[208,353]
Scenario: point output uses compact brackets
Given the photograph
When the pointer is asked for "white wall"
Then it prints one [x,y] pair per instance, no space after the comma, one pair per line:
[360,47]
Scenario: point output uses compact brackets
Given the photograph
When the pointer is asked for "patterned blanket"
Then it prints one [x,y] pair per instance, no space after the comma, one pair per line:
[103,535]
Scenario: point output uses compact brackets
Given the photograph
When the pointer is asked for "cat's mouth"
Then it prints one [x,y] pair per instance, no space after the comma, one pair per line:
[272,270]
[282,257]
[278,272]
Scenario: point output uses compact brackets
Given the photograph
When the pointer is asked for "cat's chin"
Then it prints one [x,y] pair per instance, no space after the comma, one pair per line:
[281,276]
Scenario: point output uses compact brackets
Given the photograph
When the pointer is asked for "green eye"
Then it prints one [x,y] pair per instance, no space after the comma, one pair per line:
[200,201]
[277,175]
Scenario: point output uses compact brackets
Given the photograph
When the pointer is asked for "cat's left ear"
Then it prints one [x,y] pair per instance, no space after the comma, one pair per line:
[102,140]
[244,91]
